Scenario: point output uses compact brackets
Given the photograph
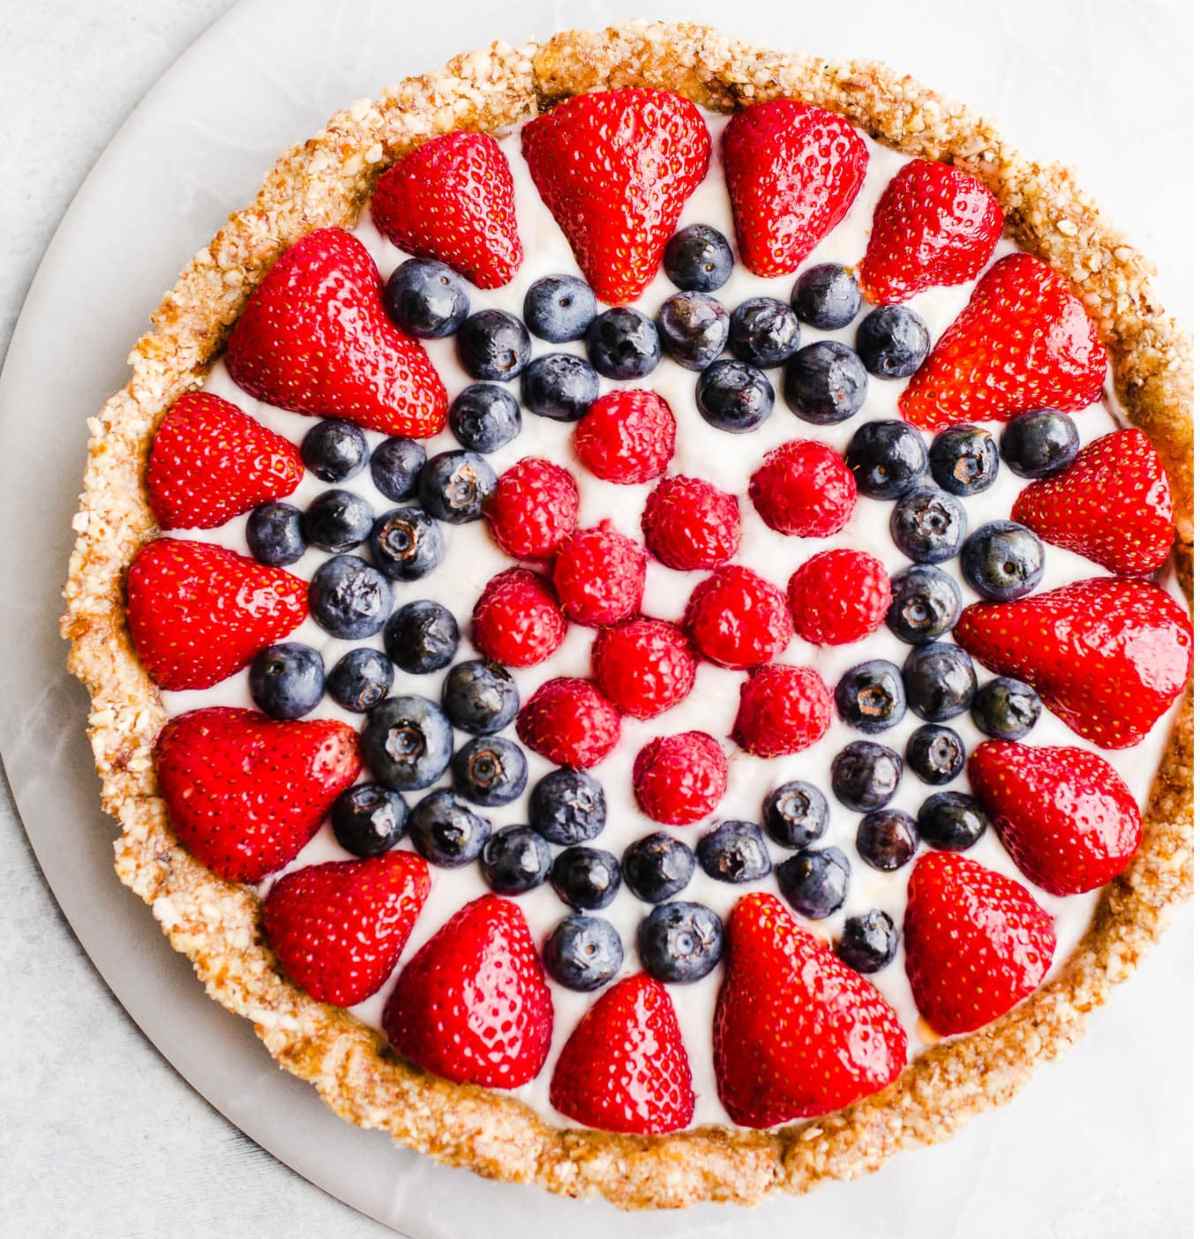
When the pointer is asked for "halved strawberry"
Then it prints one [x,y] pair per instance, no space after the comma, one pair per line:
[314,338]
[198,612]
[975,942]
[1024,341]
[244,792]
[797,1033]
[615,168]
[792,171]
[1063,813]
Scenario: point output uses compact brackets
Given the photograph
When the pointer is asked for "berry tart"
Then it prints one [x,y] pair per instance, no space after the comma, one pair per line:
[632,605]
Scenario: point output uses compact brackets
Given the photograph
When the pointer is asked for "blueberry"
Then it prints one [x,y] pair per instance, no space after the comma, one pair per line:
[583,953]
[1037,444]
[480,697]
[951,821]
[734,852]
[734,396]
[1006,708]
[698,259]
[334,450]
[622,343]
[887,458]
[489,770]
[560,386]
[275,534]
[349,598]
[421,637]
[693,329]
[764,332]
[494,345]
[1003,560]
[795,814]
[407,543]
[406,742]
[826,296]
[680,941]
[447,831]
[926,603]
[426,298]
[939,679]
[287,680]
[484,417]
[870,696]
[865,775]
[892,342]
[928,525]
[657,866]
[936,754]
[395,466]
[567,806]
[868,942]
[825,383]
[964,460]
[586,878]
[815,883]
[337,520]
[360,679]
[559,308]
[454,486]
[369,819]
[515,860]
[887,839]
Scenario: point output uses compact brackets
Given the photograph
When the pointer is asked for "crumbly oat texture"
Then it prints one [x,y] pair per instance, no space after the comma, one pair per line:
[216,924]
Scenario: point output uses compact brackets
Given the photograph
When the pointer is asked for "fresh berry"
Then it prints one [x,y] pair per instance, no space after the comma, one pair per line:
[892,342]
[781,710]
[570,723]
[583,953]
[865,775]
[287,680]
[421,637]
[484,417]
[838,597]
[928,525]
[493,345]
[689,524]
[585,878]
[622,343]
[337,520]
[936,754]
[693,328]
[447,831]
[406,742]
[887,459]
[369,819]
[815,882]
[764,332]
[679,941]
[868,942]
[275,534]
[677,780]
[737,619]
[426,299]
[825,383]
[951,821]
[1003,561]
[1005,708]
[627,436]
[567,806]
[349,598]
[407,544]
[517,620]
[559,308]
[734,852]
[515,860]
[456,487]
[1039,443]
[887,839]
[360,680]
[964,460]
[534,510]
[480,697]
[334,450]
[795,814]
[644,666]
[734,396]
[939,680]
[599,575]
[870,696]
[396,465]
[698,259]
[657,867]
[926,604]
[489,770]
[560,386]
[803,488]
[826,296]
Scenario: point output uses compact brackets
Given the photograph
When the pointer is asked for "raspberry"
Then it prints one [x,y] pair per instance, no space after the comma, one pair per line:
[569,722]
[627,436]
[535,507]
[600,574]
[839,596]
[804,488]
[679,779]
[689,524]
[644,667]
[737,619]
[517,620]
[782,710]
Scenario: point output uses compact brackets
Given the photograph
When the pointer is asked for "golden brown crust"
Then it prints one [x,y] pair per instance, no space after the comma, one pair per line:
[215,923]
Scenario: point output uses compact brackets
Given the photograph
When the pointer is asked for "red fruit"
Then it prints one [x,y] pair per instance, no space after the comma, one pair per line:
[796,1033]
[1112,505]
[245,793]
[599,574]
[1108,656]
[677,780]
[627,436]
[197,612]
[837,597]
[687,524]
[644,667]
[975,943]
[737,619]
[570,723]
[792,171]
[517,620]
[338,929]
[210,462]
[472,1005]
[782,710]
[934,224]
[624,1067]
[534,510]
[314,338]
[615,168]
[452,199]
[1064,814]
[804,488]
[1023,342]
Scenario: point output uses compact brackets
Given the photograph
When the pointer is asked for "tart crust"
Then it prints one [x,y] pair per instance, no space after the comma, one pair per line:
[325,182]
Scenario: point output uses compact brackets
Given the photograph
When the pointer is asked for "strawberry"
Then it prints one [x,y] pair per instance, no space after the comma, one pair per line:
[624,1068]
[472,1005]
[198,612]
[796,1033]
[338,928]
[1112,504]
[244,792]
[314,338]
[210,462]
[793,171]
[1024,341]
[1064,814]
[934,224]
[975,942]
[615,168]
[1108,656]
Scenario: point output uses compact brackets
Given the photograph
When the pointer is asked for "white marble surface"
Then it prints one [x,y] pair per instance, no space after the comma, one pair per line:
[99,1136]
